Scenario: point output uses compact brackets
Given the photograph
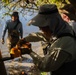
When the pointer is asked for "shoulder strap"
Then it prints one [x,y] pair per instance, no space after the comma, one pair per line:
[16,25]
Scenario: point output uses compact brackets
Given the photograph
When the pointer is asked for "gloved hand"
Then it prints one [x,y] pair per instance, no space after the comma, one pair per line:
[24,46]
[25,50]
[2,41]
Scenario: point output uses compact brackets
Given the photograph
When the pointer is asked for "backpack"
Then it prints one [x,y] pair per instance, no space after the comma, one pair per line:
[14,33]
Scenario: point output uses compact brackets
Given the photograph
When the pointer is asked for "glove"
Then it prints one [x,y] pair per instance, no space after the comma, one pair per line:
[24,46]
[25,50]
[21,42]
[2,41]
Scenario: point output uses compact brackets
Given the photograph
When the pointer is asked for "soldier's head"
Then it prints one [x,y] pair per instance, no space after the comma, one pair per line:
[68,13]
[14,16]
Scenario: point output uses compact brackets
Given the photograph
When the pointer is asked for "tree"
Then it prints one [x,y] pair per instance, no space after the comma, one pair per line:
[25,6]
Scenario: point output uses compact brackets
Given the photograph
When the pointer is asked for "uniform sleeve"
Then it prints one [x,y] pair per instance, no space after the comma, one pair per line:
[35,37]
[51,61]
[4,31]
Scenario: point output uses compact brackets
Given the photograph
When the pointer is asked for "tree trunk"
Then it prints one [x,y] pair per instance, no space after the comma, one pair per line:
[2,67]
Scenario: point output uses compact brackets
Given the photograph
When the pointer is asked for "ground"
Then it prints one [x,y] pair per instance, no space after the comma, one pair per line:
[16,66]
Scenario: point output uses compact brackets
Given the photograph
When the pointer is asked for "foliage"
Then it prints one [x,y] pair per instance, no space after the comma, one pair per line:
[22,5]
[43,73]
[31,3]
[36,2]
[6,1]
